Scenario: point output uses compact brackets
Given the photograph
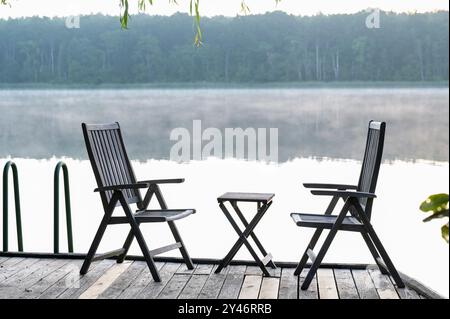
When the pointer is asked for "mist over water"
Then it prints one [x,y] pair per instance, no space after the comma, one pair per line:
[328,123]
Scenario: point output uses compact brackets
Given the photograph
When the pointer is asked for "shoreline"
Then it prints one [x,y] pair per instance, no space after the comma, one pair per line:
[221,85]
[54,158]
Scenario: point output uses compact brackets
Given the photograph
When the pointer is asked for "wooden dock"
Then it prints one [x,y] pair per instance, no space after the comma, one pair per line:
[49,278]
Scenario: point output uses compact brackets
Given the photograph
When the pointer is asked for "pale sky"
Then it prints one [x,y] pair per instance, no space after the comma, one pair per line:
[20,8]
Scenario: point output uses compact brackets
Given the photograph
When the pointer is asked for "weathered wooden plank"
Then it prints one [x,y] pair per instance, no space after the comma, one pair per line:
[327,284]
[29,267]
[256,271]
[312,291]
[345,284]
[419,287]
[193,287]
[288,284]
[58,278]
[183,270]
[23,285]
[105,281]
[10,292]
[41,273]
[213,284]
[71,278]
[233,283]
[385,288]
[80,283]
[139,283]
[364,284]
[174,287]
[123,281]
[250,287]
[203,269]
[269,288]
[3,259]
[405,293]
[153,289]
[40,287]
[14,265]
[237,269]
[12,287]
[9,262]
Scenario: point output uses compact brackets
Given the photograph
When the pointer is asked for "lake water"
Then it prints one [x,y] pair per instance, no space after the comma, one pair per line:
[311,122]
[321,139]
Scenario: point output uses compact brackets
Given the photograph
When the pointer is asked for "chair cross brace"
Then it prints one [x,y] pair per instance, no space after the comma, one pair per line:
[135,232]
[369,235]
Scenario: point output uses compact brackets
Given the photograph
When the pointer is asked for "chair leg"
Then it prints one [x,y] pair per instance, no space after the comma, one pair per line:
[325,246]
[173,228]
[305,257]
[187,259]
[374,252]
[316,264]
[126,247]
[384,255]
[315,238]
[379,246]
[141,241]
[95,243]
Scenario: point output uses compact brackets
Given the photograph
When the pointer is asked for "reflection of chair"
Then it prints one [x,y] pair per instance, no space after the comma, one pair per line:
[117,186]
[358,202]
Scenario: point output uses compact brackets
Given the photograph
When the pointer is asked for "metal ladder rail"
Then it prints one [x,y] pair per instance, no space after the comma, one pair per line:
[6,168]
[56,208]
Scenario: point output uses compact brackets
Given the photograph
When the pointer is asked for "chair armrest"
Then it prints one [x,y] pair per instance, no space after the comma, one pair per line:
[343,194]
[121,187]
[329,186]
[165,181]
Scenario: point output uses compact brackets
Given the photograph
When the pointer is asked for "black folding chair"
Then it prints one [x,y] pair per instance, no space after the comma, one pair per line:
[358,201]
[117,186]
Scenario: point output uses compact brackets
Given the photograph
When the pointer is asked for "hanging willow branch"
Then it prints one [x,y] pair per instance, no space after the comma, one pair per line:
[194,10]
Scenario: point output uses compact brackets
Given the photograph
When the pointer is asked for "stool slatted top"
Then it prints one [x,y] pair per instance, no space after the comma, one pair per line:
[246,197]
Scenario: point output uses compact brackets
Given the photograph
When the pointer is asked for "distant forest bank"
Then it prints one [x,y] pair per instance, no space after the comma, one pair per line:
[258,50]
[229,85]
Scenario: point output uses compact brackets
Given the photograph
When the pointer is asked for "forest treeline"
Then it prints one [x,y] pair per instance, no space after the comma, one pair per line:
[274,47]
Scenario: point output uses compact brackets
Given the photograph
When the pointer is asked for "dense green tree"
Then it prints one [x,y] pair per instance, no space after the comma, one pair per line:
[274,47]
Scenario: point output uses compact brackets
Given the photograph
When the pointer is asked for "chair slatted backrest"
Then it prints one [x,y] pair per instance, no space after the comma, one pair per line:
[371,163]
[109,160]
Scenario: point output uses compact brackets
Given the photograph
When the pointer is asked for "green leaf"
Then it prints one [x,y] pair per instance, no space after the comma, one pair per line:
[435,203]
[444,231]
[125,15]
[198,36]
[437,215]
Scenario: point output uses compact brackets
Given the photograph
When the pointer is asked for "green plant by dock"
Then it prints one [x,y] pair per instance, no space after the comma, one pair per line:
[437,205]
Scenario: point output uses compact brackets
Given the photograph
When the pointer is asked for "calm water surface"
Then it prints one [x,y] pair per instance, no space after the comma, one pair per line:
[312,122]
